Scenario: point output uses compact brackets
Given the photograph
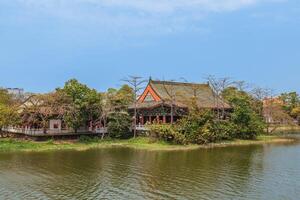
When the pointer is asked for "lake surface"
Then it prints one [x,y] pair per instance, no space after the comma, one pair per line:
[268,172]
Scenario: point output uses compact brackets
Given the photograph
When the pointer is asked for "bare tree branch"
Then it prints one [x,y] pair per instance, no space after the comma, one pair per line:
[136,83]
[218,85]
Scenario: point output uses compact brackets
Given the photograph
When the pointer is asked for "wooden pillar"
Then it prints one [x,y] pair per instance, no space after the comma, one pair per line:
[164,119]
[157,119]
[142,120]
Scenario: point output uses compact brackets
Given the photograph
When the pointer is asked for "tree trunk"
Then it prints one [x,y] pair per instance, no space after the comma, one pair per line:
[134,119]
[1,133]
[104,125]
[44,126]
[172,114]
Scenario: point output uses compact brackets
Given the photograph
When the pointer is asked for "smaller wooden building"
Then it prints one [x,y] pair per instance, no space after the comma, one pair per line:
[166,102]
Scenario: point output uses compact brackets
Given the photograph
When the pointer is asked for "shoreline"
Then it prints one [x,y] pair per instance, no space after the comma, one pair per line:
[21,145]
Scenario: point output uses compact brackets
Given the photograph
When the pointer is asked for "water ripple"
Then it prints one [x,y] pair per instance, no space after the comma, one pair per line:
[254,172]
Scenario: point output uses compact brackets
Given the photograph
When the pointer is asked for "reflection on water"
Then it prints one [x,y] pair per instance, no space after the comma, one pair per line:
[246,172]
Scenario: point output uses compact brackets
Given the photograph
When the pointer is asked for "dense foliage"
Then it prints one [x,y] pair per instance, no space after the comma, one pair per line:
[245,116]
[167,133]
[202,126]
[83,106]
[119,125]
[80,106]
[291,104]
[8,112]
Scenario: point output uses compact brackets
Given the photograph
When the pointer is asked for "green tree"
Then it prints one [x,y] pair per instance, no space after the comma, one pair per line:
[201,127]
[84,106]
[119,125]
[291,101]
[192,124]
[245,115]
[8,116]
[125,96]
[120,99]
[5,98]
[115,100]
[8,111]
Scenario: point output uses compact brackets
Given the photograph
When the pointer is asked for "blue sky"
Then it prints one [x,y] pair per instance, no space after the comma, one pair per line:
[43,43]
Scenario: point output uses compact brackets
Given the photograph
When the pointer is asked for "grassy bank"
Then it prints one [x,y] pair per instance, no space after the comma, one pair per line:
[138,143]
[262,139]
[286,129]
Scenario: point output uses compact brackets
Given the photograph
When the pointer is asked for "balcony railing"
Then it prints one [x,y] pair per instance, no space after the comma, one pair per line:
[53,132]
[141,127]
[101,130]
[44,132]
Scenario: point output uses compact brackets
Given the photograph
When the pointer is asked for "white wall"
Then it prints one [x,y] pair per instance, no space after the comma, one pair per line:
[55,124]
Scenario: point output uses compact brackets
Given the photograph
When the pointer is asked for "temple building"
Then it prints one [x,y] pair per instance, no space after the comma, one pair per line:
[166,102]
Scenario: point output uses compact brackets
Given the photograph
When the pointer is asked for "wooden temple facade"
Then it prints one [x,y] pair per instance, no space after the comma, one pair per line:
[166,102]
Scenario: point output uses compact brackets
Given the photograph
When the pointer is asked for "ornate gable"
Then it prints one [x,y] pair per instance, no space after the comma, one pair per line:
[149,95]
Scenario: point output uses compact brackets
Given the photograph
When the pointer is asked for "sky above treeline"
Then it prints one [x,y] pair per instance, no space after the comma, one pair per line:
[43,43]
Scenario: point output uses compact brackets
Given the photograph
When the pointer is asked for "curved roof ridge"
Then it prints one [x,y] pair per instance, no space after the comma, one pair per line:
[177,83]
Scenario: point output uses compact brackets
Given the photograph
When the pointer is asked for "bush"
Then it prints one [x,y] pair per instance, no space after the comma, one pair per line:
[87,139]
[202,134]
[200,127]
[197,127]
[167,133]
[224,130]
[119,125]
[50,141]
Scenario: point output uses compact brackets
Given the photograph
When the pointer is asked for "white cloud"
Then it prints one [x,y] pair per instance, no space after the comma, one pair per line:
[152,16]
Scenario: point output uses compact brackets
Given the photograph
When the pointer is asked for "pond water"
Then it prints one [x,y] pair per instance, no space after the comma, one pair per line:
[270,171]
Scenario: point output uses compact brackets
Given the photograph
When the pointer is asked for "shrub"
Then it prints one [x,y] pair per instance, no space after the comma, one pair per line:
[50,141]
[202,134]
[224,130]
[87,139]
[197,126]
[167,133]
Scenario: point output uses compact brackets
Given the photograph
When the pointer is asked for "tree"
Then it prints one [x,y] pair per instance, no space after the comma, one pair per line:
[192,126]
[8,111]
[135,82]
[120,99]
[47,106]
[199,126]
[295,113]
[247,121]
[260,94]
[219,85]
[275,115]
[125,96]
[84,106]
[170,90]
[115,100]
[119,124]
[290,100]
[5,97]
